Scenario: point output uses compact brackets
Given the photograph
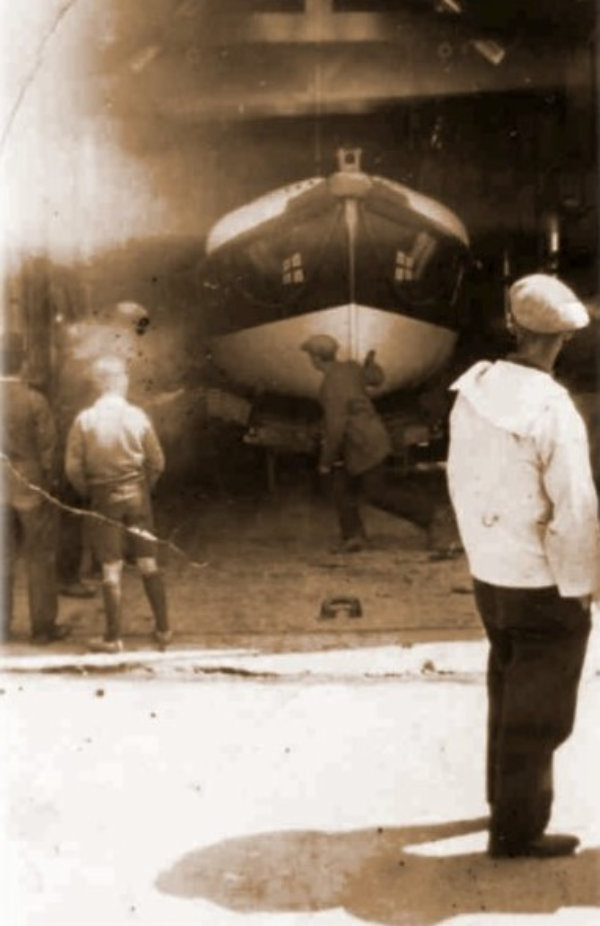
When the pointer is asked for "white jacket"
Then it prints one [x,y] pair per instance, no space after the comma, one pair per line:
[520,480]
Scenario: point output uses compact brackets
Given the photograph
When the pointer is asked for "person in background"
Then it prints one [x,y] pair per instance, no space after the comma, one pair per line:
[72,392]
[355,445]
[28,518]
[522,489]
[114,458]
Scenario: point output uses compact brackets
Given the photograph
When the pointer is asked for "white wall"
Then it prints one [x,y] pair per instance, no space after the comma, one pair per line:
[70,184]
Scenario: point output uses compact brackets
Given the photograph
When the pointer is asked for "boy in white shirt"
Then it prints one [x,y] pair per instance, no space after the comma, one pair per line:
[114,458]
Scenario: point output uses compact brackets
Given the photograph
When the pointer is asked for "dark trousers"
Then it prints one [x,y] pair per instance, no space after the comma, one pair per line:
[32,533]
[537,648]
[405,498]
[70,540]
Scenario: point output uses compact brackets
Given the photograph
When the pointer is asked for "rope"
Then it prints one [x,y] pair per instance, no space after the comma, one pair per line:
[97,516]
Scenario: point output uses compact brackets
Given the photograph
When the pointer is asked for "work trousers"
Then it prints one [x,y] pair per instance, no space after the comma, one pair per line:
[537,648]
[71,537]
[31,533]
[405,498]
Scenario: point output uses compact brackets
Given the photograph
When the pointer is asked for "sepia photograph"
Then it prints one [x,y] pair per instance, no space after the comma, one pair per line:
[300,462]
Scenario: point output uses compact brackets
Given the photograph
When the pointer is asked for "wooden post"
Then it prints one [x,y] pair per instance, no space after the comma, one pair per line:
[271,461]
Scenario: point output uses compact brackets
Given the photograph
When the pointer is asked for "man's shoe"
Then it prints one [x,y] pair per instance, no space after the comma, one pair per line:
[350,545]
[58,632]
[451,551]
[52,634]
[550,845]
[77,590]
[100,645]
[163,637]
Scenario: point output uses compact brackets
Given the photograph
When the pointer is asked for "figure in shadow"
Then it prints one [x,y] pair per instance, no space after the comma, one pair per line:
[414,875]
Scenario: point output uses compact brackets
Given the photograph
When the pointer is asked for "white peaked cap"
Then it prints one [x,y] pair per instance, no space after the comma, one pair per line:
[543,304]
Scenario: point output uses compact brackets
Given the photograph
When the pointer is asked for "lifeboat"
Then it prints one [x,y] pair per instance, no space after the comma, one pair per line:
[360,257]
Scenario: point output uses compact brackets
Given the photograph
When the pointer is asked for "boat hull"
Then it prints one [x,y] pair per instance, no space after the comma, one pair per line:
[267,358]
[359,257]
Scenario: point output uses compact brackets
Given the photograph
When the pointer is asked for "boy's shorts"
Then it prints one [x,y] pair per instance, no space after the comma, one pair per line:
[129,509]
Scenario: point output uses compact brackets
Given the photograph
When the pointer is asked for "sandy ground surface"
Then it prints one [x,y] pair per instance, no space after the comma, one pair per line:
[217,801]
[259,568]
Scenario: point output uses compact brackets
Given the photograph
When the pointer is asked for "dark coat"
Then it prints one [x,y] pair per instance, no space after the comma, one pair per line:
[28,443]
[353,431]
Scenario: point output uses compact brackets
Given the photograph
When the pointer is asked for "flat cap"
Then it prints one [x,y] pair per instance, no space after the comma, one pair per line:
[131,311]
[543,304]
[321,345]
[124,314]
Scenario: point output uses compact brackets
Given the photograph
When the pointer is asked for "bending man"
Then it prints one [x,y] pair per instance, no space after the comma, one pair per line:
[355,445]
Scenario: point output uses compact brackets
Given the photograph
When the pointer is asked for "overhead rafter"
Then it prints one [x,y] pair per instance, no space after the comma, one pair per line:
[332,21]
[318,21]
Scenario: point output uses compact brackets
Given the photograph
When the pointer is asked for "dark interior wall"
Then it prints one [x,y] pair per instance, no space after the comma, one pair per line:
[113,187]
[102,150]
[487,157]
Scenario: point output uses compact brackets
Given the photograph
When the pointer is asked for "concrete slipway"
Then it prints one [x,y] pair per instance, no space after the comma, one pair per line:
[228,786]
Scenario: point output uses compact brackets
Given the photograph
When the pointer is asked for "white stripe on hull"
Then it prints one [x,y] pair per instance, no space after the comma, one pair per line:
[268,357]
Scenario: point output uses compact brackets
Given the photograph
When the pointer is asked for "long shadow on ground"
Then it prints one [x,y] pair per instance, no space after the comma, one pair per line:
[378,876]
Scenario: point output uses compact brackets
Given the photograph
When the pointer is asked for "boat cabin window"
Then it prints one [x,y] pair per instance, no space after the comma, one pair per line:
[422,266]
[412,265]
[292,269]
[404,267]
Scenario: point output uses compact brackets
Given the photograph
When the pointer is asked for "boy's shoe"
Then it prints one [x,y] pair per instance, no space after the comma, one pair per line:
[550,845]
[100,645]
[163,637]
[51,635]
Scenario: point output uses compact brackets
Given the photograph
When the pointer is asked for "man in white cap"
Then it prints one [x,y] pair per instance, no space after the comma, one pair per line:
[355,445]
[521,485]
